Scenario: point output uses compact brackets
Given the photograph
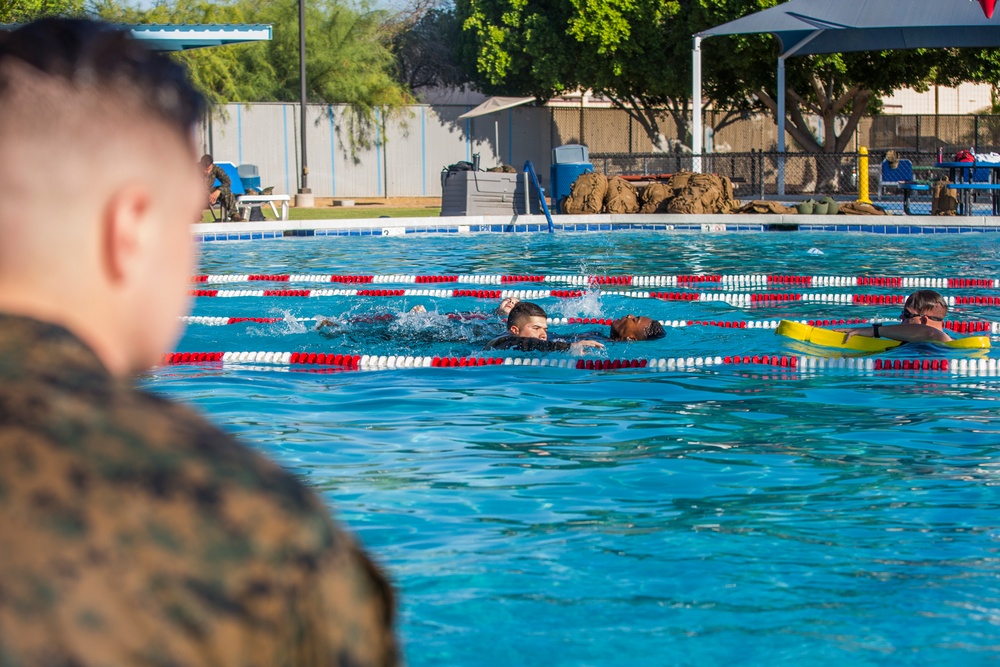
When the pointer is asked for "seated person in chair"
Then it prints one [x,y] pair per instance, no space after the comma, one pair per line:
[221,193]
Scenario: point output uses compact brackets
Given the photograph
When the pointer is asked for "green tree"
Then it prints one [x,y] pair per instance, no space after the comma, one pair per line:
[424,44]
[638,54]
[19,11]
[348,58]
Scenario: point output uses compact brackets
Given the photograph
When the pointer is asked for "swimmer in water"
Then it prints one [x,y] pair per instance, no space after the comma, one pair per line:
[630,328]
[527,331]
[922,321]
[502,310]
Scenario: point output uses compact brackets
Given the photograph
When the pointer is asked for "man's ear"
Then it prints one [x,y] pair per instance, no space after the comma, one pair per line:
[123,226]
[514,329]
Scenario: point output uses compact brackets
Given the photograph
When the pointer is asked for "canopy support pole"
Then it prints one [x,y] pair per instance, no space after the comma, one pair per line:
[781,106]
[696,118]
[781,126]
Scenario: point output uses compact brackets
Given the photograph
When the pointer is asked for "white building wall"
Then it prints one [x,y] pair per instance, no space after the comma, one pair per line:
[401,156]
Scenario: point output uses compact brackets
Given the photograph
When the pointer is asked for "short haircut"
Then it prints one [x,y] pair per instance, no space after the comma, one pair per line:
[924,300]
[655,330]
[96,58]
[206,160]
[652,331]
[523,311]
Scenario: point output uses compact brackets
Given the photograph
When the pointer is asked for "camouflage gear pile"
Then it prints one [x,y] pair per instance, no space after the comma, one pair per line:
[765,206]
[700,194]
[586,194]
[132,532]
[620,197]
[944,200]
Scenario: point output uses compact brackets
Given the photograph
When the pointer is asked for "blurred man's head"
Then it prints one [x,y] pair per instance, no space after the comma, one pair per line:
[631,327]
[528,320]
[206,162]
[99,186]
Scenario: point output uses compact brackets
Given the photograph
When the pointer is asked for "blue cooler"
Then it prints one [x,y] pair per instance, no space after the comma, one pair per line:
[568,162]
[249,176]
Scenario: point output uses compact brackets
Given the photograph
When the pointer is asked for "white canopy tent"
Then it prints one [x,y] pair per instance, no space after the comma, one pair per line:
[493,105]
[807,27]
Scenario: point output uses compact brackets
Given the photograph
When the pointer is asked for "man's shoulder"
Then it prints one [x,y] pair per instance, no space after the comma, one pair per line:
[168,427]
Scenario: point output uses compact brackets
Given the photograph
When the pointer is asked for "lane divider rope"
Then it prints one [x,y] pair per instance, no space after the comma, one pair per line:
[756,279]
[740,299]
[379,362]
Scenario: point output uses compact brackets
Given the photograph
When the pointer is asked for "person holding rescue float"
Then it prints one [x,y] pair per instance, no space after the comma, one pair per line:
[923,317]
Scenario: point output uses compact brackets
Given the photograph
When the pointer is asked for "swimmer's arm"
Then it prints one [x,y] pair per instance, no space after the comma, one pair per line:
[907,333]
[582,346]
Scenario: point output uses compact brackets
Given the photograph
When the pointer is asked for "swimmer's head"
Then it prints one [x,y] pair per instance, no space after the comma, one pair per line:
[631,327]
[925,307]
[528,320]
[503,309]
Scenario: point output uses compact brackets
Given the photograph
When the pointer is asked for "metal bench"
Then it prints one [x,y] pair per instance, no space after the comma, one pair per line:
[966,190]
[908,188]
[245,202]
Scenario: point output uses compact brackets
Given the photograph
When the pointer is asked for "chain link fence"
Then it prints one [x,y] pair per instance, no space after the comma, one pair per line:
[755,173]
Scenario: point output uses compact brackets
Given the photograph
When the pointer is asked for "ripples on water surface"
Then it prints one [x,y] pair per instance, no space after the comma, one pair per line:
[545,516]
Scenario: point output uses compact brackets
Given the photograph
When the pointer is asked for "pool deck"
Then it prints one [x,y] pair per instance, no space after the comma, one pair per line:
[893,224]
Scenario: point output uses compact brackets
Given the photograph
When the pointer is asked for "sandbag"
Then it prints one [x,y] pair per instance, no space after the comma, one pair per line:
[620,197]
[860,208]
[586,194]
[764,206]
[655,197]
[696,194]
[944,200]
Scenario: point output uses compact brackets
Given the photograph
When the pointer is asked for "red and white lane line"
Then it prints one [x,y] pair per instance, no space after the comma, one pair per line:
[737,280]
[386,362]
[739,299]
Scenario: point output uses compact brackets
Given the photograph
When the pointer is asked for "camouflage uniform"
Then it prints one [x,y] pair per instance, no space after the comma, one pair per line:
[225,186]
[132,532]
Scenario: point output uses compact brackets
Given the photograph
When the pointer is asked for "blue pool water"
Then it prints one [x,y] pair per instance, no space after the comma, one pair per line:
[713,516]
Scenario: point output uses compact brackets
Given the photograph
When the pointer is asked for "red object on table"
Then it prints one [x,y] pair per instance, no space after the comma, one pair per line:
[988,6]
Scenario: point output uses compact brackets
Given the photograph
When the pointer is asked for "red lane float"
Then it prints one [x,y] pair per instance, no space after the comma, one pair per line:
[352,280]
[287,292]
[610,280]
[270,278]
[522,279]
[478,293]
[436,279]
[878,299]
[977,300]
[381,292]
[259,320]
[773,297]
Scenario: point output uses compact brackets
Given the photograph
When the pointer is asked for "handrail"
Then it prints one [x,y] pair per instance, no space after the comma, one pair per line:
[530,169]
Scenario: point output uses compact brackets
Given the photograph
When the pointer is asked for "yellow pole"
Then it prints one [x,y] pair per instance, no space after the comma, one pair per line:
[863,189]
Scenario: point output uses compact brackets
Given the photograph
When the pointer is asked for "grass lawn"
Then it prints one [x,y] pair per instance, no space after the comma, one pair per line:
[347,213]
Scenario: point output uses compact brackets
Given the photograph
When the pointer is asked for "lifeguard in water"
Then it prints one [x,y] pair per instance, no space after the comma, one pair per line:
[988,6]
